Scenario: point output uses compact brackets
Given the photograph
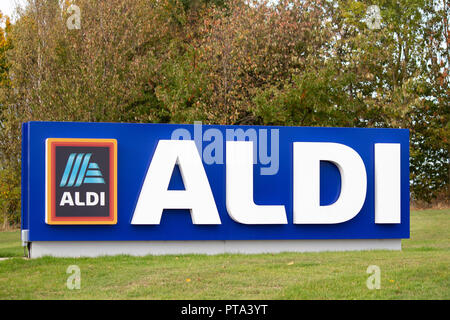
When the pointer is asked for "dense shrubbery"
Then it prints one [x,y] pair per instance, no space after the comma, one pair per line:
[300,62]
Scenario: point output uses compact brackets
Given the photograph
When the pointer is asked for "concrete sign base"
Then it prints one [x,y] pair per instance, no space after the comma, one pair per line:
[142,248]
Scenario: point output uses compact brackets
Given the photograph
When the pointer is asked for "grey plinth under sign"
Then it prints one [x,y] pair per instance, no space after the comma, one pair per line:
[142,248]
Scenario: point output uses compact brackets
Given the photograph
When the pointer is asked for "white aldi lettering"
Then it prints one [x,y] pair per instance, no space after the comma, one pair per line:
[198,198]
[91,199]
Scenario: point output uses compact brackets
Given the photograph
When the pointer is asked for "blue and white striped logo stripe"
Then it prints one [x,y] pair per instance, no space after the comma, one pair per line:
[79,171]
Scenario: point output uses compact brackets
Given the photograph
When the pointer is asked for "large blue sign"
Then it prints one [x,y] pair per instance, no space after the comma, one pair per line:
[119,182]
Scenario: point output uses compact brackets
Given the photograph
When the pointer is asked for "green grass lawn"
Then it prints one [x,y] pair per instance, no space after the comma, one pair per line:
[10,245]
[419,271]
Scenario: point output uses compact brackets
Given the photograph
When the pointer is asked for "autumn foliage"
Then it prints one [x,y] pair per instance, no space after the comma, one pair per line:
[296,63]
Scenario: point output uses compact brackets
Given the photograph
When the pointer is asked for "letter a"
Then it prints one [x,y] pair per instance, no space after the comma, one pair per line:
[155,196]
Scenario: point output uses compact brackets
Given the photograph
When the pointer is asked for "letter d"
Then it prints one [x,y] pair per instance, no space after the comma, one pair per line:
[307,208]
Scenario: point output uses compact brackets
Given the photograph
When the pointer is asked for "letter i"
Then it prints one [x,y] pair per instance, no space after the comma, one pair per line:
[102,199]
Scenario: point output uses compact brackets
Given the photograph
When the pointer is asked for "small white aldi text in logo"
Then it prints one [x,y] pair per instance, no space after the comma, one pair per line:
[81,181]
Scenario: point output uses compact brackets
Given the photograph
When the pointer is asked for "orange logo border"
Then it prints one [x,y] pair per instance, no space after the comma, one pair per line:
[50,203]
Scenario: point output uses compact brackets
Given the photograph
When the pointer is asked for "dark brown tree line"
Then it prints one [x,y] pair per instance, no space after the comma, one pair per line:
[296,63]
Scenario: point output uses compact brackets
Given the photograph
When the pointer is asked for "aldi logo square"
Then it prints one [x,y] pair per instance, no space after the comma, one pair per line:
[81,181]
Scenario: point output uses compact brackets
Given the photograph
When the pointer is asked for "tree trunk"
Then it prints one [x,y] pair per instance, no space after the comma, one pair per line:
[5,220]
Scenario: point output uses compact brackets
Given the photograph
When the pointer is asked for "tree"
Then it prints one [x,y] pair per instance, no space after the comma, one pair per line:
[9,197]
[297,62]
